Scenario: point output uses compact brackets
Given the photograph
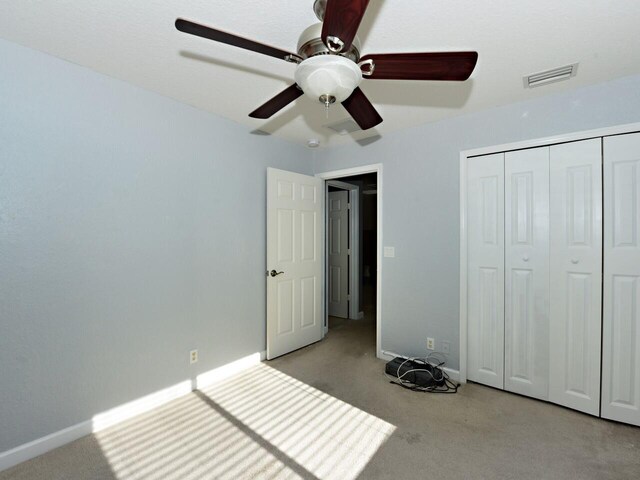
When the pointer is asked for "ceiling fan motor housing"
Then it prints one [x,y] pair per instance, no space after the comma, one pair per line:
[310,44]
[319,7]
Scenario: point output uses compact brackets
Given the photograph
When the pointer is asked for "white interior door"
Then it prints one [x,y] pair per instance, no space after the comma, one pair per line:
[485,274]
[621,312]
[526,322]
[295,233]
[576,266]
[339,253]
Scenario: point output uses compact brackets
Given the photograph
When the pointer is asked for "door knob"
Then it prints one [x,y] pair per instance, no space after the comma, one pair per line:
[273,273]
[525,258]
[574,260]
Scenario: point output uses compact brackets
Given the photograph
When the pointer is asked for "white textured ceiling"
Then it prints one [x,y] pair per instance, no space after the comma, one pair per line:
[135,41]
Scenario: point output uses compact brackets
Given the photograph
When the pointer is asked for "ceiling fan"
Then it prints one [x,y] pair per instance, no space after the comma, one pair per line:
[330,67]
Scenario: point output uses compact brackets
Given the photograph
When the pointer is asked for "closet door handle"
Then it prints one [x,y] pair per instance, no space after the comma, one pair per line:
[525,258]
[574,260]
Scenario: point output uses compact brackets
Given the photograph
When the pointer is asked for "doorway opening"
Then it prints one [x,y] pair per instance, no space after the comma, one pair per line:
[352,254]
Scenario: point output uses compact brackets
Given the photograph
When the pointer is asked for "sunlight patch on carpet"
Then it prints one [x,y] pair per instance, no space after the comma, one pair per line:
[261,423]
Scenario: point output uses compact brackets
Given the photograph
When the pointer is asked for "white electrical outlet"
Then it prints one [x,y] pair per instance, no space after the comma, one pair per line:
[431,344]
[193,356]
[446,347]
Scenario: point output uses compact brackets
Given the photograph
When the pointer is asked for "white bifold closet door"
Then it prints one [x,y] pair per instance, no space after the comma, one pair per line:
[576,265]
[621,312]
[485,277]
[526,323]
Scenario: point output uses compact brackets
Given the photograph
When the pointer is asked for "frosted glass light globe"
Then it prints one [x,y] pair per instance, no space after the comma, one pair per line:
[330,75]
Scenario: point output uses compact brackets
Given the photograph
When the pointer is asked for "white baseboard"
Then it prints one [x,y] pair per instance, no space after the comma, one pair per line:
[141,405]
[390,355]
[453,374]
[123,412]
[228,370]
[42,445]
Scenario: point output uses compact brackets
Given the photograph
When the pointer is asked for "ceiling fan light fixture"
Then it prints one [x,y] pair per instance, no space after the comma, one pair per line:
[326,76]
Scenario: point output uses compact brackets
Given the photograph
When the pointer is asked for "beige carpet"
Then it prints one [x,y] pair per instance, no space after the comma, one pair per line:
[327,411]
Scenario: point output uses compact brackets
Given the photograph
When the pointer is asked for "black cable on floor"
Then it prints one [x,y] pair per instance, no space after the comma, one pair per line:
[446,384]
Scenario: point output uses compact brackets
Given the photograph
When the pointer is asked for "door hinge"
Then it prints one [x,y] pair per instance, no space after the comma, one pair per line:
[348,251]
[349,297]
[348,206]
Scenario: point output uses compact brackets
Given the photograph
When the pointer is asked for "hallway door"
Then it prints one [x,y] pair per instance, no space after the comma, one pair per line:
[339,253]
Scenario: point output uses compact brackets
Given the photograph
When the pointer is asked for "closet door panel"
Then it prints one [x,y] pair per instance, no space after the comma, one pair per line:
[576,263]
[527,272]
[485,274]
[621,321]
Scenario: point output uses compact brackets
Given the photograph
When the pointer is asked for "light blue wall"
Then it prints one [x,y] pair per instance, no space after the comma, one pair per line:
[420,289]
[132,230]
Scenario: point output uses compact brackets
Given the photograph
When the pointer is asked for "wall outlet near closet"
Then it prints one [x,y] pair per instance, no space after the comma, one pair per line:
[431,344]
[193,356]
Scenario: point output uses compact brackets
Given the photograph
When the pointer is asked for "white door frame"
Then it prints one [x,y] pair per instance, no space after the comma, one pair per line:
[354,243]
[350,172]
[465,157]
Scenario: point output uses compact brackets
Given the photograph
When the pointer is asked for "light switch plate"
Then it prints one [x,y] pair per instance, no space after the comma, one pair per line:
[390,252]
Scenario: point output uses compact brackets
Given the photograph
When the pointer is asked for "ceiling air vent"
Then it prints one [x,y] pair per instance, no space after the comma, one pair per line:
[550,76]
[344,127]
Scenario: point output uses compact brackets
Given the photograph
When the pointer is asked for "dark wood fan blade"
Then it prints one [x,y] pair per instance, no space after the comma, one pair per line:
[203,31]
[455,66]
[341,20]
[278,102]
[360,108]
